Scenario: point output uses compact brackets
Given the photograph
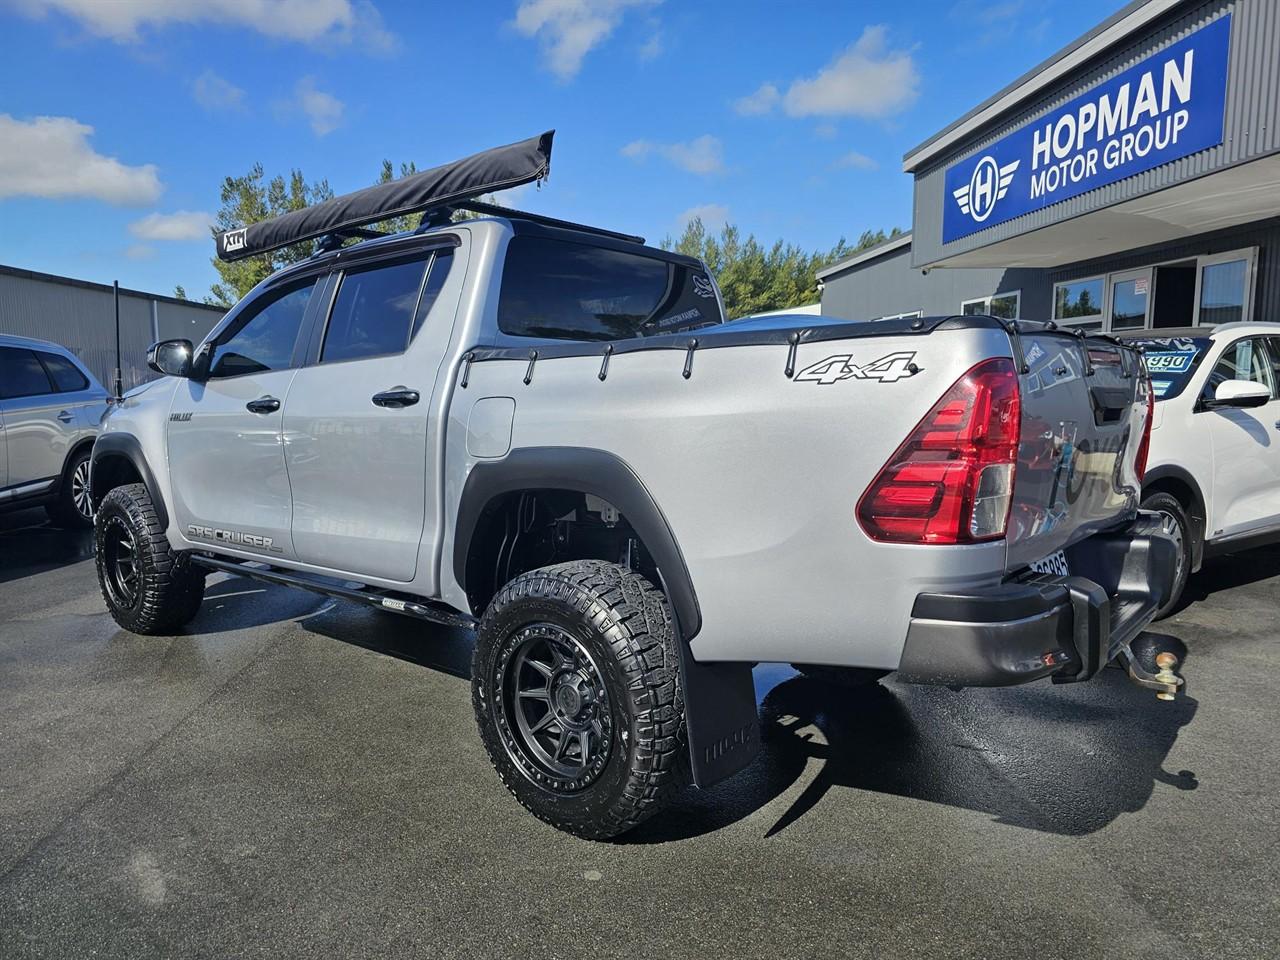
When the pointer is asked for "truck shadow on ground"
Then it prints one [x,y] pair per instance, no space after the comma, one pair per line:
[29,544]
[1065,760]
[1229,571]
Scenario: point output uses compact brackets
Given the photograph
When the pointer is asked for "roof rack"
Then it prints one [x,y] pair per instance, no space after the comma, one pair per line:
[448,185]
[497,210]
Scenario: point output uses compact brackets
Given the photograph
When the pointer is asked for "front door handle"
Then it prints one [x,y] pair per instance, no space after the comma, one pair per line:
[263,405]
[65,416]
[396,397]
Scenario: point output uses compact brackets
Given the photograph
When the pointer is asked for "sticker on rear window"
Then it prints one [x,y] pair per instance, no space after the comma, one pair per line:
[1161,387]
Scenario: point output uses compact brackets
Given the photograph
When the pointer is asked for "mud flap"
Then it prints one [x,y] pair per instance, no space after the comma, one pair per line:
[721,720]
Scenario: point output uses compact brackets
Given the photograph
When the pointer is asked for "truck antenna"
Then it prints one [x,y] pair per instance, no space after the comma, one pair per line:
[115,290]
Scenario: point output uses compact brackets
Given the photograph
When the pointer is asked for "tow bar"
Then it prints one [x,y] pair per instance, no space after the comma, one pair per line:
[1164,681]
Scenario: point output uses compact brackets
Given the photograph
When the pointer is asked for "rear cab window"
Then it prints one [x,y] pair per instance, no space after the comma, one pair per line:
[563,290]
[1171,362]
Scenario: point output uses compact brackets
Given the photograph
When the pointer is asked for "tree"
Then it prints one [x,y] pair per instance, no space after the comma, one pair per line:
[248,199]
[180,292]
[754,279]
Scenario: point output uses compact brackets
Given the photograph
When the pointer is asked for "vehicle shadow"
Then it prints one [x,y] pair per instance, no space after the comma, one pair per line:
[1230,570]
[1065,760]
[30,544]
[434,646]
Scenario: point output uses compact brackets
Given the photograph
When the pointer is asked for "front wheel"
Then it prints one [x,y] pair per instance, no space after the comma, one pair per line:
[149,588]
[1174,523]
[576,686]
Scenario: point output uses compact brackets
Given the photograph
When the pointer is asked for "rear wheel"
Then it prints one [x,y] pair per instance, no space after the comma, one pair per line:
[1175,523]
[149,588]
[576,687]
[74,506]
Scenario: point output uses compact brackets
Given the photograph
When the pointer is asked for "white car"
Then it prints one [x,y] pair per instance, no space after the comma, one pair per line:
[1213,470]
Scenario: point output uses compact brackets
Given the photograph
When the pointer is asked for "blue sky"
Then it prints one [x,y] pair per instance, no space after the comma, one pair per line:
[119,118]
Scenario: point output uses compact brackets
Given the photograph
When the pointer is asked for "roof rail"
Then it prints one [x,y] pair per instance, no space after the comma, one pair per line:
[443,186]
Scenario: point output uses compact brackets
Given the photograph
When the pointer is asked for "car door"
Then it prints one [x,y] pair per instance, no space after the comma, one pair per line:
[356,421]
[1245,443]
[226,450]
[40,425]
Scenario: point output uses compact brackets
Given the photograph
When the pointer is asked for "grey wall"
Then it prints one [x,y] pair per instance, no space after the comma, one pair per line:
[890,284]
[1251,130]
[81,317]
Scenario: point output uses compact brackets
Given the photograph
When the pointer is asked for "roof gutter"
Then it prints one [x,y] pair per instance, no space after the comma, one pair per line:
[1123,24]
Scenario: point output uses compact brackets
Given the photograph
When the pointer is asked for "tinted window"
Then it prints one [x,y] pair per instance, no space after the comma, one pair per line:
[437,273]
[1244,360]
[262,337]
[66,376]
[1078,298]
[373,312]
[1171,362]
[1222,291]
[21,374]
[573,291]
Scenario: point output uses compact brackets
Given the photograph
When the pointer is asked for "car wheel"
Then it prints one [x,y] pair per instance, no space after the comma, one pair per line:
[576,686]
[149,588]
[74,506]
[1175,523]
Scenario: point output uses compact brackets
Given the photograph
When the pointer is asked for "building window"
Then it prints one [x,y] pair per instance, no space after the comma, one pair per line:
[1006,306]
[1223,291]
[1079,302]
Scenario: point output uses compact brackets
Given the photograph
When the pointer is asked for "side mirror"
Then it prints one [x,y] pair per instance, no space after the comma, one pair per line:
[170,357]
[1240,393]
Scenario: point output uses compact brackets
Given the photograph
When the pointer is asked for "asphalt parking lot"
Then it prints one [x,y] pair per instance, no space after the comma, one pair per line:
[294,776]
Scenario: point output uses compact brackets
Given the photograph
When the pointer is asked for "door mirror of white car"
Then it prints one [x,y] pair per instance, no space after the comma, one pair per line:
[1240,393]
[170,357]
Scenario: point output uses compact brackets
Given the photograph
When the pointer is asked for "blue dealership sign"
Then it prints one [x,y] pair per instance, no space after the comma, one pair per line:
[1168,105]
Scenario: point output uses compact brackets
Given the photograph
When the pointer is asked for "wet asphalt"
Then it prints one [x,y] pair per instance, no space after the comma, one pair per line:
[299,777]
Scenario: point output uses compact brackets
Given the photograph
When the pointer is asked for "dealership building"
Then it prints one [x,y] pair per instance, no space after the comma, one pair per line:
[1130,181]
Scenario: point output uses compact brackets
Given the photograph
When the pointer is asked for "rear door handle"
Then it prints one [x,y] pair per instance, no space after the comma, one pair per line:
[65,417]
[263,405]
[396,397]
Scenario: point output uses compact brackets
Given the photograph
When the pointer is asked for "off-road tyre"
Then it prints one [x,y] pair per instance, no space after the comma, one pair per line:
[848,677]
[73,510]
[1174,521]
[623,626]
[168,588]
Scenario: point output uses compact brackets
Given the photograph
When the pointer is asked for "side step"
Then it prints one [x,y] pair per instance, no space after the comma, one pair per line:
[369,596]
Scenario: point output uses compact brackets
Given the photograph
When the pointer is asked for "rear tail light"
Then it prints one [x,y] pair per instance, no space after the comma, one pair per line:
[1144,448]
[952,480]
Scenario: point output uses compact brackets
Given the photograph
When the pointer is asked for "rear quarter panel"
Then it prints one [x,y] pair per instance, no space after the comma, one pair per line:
[759,477]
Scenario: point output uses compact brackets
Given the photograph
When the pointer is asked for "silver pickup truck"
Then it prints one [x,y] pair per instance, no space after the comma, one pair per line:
[547,431]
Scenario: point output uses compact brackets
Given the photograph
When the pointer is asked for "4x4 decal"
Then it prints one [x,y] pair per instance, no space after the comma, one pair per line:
[888,369]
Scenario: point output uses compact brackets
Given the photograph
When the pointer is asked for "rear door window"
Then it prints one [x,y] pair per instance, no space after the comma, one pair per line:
[22,374]
[1171,362]
[562,290]
[66,376]
[373,312]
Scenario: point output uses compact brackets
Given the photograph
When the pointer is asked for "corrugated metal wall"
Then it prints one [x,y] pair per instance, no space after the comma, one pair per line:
[1251,128]
[81,317]
[890,285]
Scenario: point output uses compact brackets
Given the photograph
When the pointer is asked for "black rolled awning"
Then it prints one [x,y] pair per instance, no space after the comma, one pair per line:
[470,177]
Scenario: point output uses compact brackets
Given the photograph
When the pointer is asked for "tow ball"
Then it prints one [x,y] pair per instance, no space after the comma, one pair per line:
[1164,681]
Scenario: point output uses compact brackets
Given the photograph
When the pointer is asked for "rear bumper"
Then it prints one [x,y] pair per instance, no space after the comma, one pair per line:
[1039,625]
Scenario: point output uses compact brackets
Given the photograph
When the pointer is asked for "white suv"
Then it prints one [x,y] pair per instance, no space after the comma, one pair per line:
[1213,470]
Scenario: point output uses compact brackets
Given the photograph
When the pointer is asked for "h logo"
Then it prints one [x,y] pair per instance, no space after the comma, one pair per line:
[989,183]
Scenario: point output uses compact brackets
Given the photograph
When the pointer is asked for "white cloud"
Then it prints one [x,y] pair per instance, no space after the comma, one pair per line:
[323,110]
[217,93]
[51,157]
[139,251]
[867,80]
[702,155]
[568,30]
[762,101]
[858,161]
[179,225]
[320,22]
[986,23]
[826,131]
[713,216]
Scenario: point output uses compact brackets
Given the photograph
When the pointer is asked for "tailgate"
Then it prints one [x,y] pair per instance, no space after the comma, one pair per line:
[1083,412]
